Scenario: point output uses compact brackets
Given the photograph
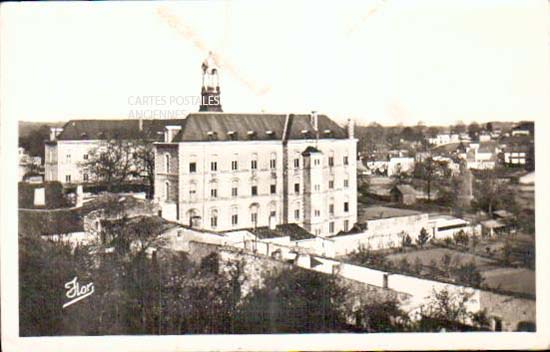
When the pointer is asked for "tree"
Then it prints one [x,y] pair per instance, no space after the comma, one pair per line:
[448,311]
[112,163]
[468,274]
[34,141]
[295,300]
[145,164]
[461,238]
[423,238]
[433,131]
[459,127]
[473,130]
[491,194]
[385,316]
[118,161]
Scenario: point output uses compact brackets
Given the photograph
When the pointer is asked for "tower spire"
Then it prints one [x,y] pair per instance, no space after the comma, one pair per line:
[210,90]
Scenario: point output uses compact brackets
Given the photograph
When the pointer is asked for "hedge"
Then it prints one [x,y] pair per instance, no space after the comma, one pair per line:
[53,195]
[50,222]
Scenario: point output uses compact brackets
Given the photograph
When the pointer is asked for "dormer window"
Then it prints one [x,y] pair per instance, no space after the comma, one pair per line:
[250,134]
[83,135]
[212,135]
[328,131]
[269,132]
[232,135]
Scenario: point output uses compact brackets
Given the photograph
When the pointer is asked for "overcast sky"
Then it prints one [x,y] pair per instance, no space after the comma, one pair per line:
[386,61]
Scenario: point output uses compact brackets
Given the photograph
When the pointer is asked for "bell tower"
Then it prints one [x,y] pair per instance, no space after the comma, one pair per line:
[210,90]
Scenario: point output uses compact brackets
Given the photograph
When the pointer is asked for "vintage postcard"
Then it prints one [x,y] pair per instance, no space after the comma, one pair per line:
[238,175]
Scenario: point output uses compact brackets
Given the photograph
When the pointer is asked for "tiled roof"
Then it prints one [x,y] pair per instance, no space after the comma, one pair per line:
[207,126]
[295,232]
[406,189]
[487,147]
[121,128]
[227,126]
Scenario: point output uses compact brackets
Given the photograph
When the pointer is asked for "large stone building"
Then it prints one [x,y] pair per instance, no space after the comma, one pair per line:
[72,145]
[223,171]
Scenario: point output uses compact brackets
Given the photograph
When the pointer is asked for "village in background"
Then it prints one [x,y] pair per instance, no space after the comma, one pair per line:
[266,223]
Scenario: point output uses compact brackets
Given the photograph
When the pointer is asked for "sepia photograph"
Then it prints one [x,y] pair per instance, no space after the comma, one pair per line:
[194,171]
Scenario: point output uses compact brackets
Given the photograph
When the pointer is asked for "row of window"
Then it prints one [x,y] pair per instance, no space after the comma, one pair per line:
[253,189]
[253,164]
[272,214]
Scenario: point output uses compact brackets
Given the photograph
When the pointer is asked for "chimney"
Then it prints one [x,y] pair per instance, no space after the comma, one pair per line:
[351,128]
[54,132]
[170,132]
[314,118]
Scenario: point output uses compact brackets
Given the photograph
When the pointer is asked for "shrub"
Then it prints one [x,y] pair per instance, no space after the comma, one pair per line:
[423,238]
[461,238]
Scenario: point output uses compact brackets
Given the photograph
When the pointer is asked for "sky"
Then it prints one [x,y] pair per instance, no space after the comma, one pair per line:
[393,62]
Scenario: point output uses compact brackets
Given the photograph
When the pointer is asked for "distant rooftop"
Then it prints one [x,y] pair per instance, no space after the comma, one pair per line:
[295,232]
[379,212]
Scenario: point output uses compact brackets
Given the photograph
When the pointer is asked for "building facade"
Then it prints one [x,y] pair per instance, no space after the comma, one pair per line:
[71,146]
[224,171]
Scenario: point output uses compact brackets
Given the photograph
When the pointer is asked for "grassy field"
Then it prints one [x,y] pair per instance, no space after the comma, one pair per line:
[496,276]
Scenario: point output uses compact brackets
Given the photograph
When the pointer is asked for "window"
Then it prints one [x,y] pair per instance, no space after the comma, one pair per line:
[193,167]
[346,206]
[254,162]
[214,219]
[167,163]
[331,184]
[273,189]
[331,161]
[234,216]
[67,178]
[85,157]
[331,209]
[167,191]
[317,212]
[214,193]
[316,162]
[273,214]
[297,188]
[346,160]
[85,177]
[297,214]
[68,158]
[296,163]
[331,227]
[234,165]
[317,188]
[192,191]
[346,225]
[254,190]
[273,161]
[346,183]
[234,191]
[214,166]
[254,214]
[317,232]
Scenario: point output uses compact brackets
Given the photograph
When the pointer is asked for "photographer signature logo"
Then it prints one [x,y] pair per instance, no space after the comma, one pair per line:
[76,292]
